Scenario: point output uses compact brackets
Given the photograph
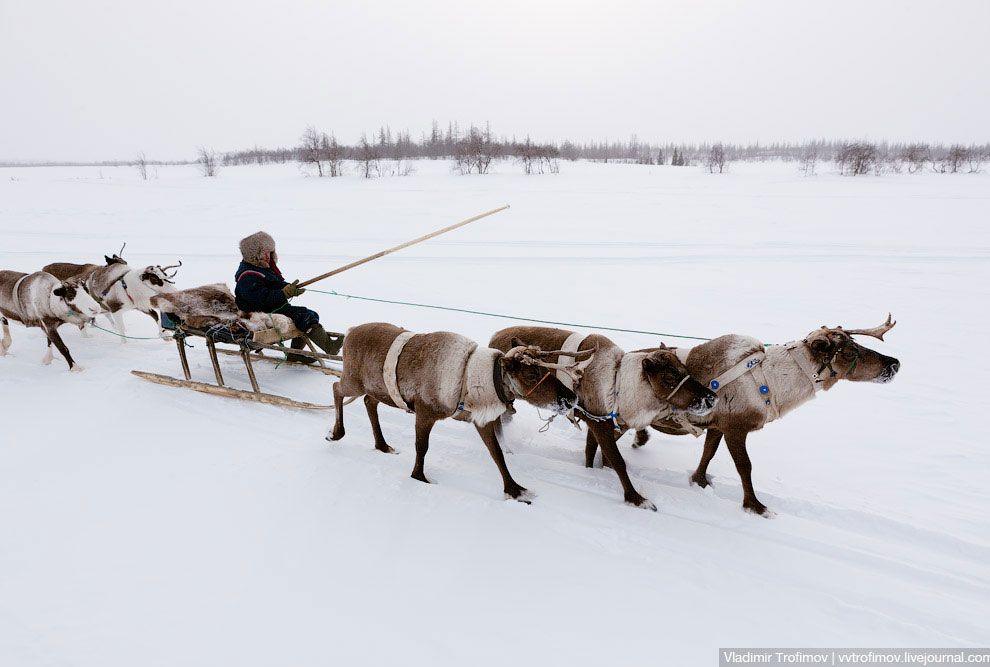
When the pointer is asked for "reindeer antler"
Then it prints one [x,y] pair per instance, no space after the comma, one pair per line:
[876,332]
[578,356]
[164,269]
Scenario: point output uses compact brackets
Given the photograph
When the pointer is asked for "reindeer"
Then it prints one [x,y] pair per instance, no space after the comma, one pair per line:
[618,390]
[758,384]
[118,288]
[42,300]
[440,375]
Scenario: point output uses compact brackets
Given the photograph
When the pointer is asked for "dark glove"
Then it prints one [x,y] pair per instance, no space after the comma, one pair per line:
[293,289]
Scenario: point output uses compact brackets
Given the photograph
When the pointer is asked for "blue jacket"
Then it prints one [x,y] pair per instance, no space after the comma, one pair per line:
[258,289]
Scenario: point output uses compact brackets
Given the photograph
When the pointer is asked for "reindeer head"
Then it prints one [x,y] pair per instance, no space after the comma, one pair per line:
[534,379]
[672,383]
[158,279]
[74,295]
[842,358]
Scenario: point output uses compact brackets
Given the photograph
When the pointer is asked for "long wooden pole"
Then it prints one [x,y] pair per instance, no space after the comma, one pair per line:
[404,245]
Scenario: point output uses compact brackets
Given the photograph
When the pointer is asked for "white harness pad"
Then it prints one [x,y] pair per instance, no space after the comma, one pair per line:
[572,344]
[388,370]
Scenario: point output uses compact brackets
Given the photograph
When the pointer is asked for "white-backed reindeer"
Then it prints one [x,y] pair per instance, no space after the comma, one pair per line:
[42,300]
[118,287]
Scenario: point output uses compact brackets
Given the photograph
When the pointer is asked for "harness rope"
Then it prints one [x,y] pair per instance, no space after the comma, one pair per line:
[506,317]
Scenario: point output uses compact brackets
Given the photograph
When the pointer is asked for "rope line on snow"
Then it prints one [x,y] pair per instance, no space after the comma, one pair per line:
[507,317]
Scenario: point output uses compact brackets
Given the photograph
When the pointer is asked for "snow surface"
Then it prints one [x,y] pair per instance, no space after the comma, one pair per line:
[145,525]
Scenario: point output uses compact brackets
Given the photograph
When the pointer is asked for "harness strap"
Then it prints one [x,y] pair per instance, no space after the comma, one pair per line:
[389,368]
[803,363]
[736,371]
[572,344]
[751,364]
[17,300]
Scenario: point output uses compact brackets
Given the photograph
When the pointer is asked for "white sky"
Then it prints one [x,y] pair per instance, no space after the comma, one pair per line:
[105,79]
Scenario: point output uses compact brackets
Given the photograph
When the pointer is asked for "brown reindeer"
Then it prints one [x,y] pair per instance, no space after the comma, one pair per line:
[619,391]
[440,375]
[782,378]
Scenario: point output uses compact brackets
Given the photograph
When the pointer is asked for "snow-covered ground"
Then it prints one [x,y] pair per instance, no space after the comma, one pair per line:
[145,525]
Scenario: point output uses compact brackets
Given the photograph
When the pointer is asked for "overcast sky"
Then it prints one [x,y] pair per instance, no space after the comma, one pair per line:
[90,80]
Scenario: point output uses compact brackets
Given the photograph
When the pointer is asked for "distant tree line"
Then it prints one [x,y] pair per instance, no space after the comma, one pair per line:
[475,149]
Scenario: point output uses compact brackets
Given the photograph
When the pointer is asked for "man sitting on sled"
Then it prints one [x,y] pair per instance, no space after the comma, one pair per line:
[260,287]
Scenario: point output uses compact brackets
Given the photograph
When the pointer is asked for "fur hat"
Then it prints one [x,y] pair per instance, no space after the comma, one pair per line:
[254,247]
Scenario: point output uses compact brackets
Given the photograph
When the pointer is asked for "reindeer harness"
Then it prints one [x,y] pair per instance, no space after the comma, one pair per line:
[389,374]
[668,412]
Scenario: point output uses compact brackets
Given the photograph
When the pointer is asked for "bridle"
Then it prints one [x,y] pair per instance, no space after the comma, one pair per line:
[519,391]
[677,388]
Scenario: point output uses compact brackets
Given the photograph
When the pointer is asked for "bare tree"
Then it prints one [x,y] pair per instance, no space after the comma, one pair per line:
[207,160]
[856,158]
[715,159]
[368,157]
[955,158]
[142,166]
[914,157]
[312,148]
[809,159]
[476,151]
[334,153]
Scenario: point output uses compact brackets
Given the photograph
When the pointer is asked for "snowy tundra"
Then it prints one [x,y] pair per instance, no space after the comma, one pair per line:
[146,525]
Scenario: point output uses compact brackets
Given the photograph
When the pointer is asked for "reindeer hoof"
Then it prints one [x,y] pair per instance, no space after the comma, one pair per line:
[701,480]
[756,507]
[520,494]
[642,503]
[335,434]
[420,477]
[385,449]
[76,369]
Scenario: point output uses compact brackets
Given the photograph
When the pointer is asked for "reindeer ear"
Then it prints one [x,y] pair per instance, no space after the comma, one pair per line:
[59,291]
[510,364]
[109,260]
[650,365]
[515,342]
[662,347]
[821,346]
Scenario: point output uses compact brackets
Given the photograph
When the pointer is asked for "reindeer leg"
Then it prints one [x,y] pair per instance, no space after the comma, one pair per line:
[736,441]
[642,437]
[512,489]
[372,406]
[590,449]
[84,328]
[49,355]
[118,325]
[712,440]
[424,424]
[605,435]
[53,337]
[154,315]
[338,402]
[5,341]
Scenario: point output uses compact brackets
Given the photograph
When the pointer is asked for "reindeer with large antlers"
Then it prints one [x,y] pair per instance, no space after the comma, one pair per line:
[442,374]
[118,287]
[757,384]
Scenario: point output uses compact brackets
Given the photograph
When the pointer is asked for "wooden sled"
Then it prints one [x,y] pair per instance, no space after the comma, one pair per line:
[250,349]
